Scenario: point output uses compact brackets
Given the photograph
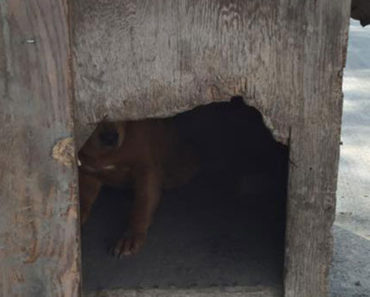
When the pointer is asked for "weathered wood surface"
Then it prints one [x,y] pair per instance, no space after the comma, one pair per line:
[137,59]
[39,242]
[314,150]
[314,153]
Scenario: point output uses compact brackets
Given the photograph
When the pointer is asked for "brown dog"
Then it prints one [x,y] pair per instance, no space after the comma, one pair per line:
[147,154]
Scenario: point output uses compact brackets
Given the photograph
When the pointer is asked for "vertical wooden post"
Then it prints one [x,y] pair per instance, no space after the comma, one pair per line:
[39,240]
[314,151]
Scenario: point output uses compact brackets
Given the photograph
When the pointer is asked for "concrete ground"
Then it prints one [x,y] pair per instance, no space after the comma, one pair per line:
[350,275]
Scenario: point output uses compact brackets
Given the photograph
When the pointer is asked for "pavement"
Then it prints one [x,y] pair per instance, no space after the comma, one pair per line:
[350,274]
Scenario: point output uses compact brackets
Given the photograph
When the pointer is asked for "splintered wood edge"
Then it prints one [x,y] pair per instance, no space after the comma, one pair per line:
[257,291]
[64,152]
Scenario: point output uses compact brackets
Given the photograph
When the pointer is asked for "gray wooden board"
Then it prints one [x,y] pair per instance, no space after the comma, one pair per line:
[136,59]
[314,153]
[39,240]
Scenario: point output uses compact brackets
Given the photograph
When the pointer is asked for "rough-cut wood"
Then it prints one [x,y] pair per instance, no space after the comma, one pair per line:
[210,292]
[137,59]
[314,151]
[39,242]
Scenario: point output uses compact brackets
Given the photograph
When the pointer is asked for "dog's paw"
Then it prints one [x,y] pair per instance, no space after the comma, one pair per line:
[129,245]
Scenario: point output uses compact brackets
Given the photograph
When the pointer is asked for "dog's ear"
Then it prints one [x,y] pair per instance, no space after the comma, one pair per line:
[106,136]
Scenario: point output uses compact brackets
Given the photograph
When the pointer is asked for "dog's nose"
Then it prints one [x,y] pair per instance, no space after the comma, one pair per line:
[109,138]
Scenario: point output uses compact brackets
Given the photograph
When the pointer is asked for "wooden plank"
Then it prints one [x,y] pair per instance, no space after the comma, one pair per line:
[39,232]
[314,151]
[137,59]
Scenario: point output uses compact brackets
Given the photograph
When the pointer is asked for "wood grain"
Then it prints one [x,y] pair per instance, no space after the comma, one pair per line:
[314,151]
[39,240]
[139,59]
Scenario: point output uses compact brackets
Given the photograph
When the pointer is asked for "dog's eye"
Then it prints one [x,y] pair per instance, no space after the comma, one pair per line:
[109,138]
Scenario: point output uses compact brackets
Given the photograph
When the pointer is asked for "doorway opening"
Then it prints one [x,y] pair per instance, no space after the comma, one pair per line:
[224,228]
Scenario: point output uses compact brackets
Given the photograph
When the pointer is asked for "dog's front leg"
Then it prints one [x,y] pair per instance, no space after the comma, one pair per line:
[148,186]
[89,188]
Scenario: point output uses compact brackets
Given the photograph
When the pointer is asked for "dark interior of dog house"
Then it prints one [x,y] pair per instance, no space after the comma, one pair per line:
[225,227]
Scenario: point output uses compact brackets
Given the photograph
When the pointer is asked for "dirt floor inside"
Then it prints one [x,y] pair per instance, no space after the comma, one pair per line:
[205,234]
[223,229]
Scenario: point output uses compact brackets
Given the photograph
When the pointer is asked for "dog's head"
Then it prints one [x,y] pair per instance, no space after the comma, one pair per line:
[110,134]
[106,138]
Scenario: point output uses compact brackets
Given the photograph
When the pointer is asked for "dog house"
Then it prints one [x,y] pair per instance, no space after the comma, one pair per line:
[65,66]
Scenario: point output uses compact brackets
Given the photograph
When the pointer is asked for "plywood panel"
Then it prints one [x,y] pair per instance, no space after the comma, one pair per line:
[39,242]
[137,59]
[314,151]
